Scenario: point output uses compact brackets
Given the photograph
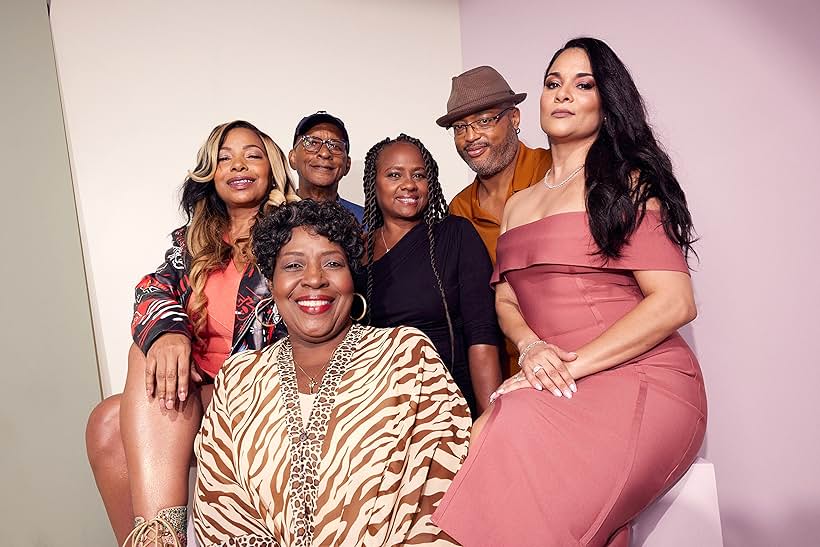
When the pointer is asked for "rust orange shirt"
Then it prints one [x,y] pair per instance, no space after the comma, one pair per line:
[530,167]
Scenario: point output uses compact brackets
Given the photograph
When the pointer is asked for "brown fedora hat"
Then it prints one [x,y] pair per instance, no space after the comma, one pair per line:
[475,90]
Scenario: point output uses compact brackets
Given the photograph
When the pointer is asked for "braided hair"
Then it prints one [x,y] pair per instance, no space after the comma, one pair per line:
[434,213]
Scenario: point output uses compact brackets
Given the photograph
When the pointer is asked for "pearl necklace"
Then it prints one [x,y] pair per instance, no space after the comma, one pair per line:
[563,182]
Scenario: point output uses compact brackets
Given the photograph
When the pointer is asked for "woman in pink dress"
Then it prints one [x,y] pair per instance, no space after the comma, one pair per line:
[592,284]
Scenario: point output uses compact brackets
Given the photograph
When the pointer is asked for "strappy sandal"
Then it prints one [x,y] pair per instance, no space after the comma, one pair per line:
[167,529]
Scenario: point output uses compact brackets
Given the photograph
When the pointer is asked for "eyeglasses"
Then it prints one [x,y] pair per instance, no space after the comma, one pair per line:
[314,144]
[481,125]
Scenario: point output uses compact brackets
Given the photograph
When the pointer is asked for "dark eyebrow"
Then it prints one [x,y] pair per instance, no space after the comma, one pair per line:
[334,253]
[579,75]
[323,254]
[227,149]
[402,167]
[294,253]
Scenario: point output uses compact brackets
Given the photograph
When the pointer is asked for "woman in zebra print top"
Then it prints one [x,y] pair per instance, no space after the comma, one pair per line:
[339,434]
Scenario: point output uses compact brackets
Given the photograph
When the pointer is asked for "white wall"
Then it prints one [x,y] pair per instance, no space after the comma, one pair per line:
[144,82]
[50,380]
[732,88]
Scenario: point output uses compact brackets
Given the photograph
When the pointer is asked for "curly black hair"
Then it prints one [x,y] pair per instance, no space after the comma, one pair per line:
[325,218]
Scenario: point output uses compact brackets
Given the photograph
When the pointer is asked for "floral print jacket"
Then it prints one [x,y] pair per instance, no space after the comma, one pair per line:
[161,300]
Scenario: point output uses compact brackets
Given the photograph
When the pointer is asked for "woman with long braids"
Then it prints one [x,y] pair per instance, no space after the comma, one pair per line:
[207,301]
[592,283]
[427,269]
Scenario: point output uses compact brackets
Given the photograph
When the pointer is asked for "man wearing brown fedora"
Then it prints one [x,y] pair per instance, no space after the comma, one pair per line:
[483,118]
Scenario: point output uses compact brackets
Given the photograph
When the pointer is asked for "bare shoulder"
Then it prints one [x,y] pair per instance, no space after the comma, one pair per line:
[653,204]
[525,194]
[518,200]
[519,208]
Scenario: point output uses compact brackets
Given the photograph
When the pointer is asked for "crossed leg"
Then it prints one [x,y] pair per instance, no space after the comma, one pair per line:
[139,451]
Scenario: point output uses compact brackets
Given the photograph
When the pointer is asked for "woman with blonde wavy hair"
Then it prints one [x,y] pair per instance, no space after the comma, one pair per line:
[207,301]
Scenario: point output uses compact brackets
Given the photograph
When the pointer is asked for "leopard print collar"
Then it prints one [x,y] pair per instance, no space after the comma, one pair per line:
[306,439]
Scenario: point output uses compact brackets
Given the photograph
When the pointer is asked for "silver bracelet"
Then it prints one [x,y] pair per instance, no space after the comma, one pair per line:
[526,350]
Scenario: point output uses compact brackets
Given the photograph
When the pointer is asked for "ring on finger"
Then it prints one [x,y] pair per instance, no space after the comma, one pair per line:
[537,368]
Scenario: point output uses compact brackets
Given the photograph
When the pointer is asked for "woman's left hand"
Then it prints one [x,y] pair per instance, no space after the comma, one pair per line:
[545,366]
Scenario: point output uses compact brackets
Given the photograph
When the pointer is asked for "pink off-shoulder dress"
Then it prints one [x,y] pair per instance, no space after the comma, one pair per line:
[550,471]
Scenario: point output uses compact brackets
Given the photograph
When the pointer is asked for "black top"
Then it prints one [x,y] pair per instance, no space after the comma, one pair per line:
[405,292]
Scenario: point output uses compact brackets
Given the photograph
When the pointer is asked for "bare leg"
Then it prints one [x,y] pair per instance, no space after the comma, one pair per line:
[106,455]
[158,442]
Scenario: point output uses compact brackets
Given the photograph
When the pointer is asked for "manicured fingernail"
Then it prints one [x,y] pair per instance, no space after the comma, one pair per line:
[539,387]
[573,354]
[574,388]
[568,394]
[181,396]
[556,392]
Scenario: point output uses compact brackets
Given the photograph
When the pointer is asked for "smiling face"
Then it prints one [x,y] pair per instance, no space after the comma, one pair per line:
[312,287]
[321,168]
[570,103]
[402,188]
[490,150]
[243,172]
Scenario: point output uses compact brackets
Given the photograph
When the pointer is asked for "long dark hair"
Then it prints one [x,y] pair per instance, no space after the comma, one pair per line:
[435,212]
[626,166]
[208,217]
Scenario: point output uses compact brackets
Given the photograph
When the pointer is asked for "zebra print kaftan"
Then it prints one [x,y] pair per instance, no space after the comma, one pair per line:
[387,433]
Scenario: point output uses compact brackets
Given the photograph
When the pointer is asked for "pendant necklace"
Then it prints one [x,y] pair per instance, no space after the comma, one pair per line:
[312,381]
[381,231]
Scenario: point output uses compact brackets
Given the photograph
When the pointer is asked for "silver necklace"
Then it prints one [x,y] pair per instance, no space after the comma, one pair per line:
[563,182]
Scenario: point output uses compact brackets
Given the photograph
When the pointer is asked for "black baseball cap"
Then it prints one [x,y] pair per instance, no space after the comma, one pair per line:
[309,122]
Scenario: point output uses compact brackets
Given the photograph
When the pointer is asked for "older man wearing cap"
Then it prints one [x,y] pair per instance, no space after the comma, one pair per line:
[321,157]
[483,118]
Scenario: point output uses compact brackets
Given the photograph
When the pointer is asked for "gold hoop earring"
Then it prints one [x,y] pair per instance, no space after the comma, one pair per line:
[364,308]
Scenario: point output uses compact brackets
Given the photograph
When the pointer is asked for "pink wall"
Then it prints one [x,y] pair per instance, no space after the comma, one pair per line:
[733,89]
